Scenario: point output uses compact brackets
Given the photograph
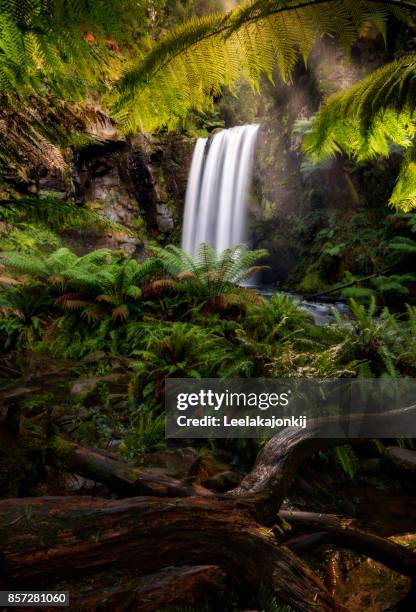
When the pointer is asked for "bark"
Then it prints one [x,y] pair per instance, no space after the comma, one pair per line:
[178,586]
[45,540]
[305,543]
[342,532]
[265,487]
[119,476]
[262,491]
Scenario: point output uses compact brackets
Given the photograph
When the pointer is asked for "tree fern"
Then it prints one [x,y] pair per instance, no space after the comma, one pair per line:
[188,67]
[69,50]
[209,272]
[62,44]
[366,119]
[54,54]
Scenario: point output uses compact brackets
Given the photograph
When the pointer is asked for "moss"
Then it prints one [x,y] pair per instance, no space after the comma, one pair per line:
[312,282]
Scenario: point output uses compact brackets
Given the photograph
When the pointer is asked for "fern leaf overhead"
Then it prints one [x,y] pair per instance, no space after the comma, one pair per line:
[188,67]
[55,54]
[366,119]
[59,43]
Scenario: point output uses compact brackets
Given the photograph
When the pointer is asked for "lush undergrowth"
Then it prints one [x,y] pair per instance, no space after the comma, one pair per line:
[172,315]
[366,253]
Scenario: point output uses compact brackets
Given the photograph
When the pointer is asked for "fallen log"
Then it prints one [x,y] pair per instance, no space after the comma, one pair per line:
[307,542]
[45,540]
[263,490]
[119,476]
[401,458]
[356,281]
[173,586]
[342,532]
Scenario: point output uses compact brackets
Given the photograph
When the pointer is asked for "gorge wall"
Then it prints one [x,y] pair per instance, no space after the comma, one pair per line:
[140,181]
[291,201]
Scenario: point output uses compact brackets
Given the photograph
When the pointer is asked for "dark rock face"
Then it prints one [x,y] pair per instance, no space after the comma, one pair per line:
[139,182]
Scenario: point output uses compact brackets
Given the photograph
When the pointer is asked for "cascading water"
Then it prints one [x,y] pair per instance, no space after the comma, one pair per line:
[215,205]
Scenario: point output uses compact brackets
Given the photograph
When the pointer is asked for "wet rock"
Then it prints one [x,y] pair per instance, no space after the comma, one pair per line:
[178,463]
[224,481]
[139,182]
[402,458]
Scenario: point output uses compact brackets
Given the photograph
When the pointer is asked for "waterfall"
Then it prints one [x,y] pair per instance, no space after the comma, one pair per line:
[215,204]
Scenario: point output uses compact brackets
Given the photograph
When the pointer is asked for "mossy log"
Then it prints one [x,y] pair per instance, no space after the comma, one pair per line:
[173,586]
[121,477]
[265,487]
[45,540]
[343,533]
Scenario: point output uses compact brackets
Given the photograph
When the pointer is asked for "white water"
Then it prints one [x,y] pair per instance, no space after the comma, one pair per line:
[216,196]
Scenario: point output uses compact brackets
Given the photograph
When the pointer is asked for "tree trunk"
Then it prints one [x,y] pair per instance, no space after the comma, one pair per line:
[265,487]
[342,532]
[119,476]
[45,540]
[173,586]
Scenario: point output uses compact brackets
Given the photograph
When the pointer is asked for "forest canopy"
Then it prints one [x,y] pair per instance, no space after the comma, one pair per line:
[66,66]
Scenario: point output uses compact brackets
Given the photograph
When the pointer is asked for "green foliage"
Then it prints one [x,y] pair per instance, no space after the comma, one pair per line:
[213,279]
[22,316]
[177,351]
[269,603]
[72,306]
[54,213]
[146,434]
[187,68]
[347,459]
[370,251]
[28,237]
[36,225]
[372,339]
[46,42]
[366,119]
[55,55]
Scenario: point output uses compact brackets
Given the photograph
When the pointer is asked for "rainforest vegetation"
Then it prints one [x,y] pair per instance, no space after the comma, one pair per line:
[101,103]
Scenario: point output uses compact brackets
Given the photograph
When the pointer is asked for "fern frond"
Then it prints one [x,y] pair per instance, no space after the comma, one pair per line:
[121,312]
[157,287]
[403,245]
[54,213]
[366,119]
[189,66]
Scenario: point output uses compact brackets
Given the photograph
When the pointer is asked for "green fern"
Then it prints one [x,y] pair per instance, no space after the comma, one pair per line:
[53,55]
[366,119]
[188,67]
[211,278]
[54,213]
[347,459]
[269,603]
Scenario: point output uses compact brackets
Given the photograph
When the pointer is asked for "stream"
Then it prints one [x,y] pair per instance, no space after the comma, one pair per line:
[321,312]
